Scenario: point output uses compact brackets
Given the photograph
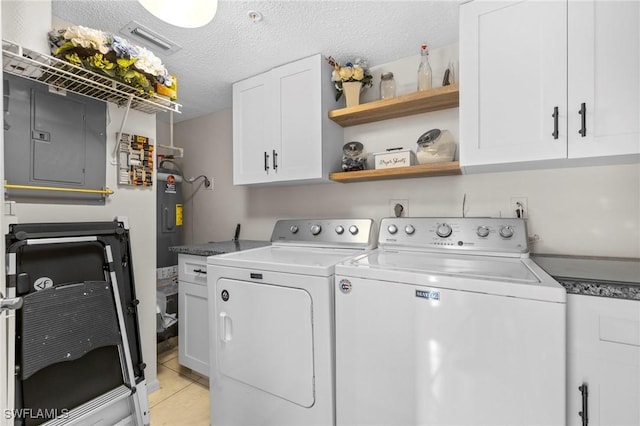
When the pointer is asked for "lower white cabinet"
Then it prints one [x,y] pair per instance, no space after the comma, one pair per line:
[603,353]
[193,327]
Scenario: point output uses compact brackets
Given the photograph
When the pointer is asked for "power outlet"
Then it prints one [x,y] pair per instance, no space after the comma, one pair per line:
[404,211]
[210,186]
[519,204]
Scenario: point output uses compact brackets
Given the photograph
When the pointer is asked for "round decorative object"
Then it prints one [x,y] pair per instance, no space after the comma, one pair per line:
[435,146]
[353,157]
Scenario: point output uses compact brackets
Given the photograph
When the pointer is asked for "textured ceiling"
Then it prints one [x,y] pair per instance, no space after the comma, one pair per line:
[232,47]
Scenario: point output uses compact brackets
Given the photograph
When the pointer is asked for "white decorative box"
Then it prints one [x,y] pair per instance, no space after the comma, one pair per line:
[394,158]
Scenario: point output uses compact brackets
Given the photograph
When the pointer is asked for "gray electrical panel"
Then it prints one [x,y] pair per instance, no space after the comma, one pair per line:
[53,140]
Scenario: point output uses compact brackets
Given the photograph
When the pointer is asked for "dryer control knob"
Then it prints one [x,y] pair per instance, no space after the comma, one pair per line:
[353,229]
[506,231]
[409,229]
[444,230]
[482,231]
[392,229]
[339,229]
[315,229]
[293,229]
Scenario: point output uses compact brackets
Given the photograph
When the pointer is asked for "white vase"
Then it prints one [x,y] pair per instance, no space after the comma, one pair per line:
[351,90]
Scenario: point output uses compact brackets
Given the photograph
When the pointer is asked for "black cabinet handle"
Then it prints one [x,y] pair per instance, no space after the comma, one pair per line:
[266,161]
[584,390]
[200,271]
[583,119]
[275,160]
[555,123]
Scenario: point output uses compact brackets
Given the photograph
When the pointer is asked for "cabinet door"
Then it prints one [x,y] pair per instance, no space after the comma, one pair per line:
[604,74]
[603,348]
[252,130]
[193,327]
[298,99]
[265,339]
[513,75]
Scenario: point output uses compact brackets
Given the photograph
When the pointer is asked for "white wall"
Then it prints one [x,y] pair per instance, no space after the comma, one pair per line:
[591,211]
[139,206]
[577,211]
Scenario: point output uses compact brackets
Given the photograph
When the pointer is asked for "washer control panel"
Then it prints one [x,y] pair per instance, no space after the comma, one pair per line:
[464,234]
[326,232]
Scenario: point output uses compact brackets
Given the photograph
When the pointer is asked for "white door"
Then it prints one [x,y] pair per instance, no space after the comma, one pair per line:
[252,130]
[298,97]
[428,356]
[193,326]
[604,75]
[603,343]
[265,339]
[513,76]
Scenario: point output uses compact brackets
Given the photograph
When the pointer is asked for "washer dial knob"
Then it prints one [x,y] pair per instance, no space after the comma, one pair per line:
[409,229]
[506,231]
[444,230]
[293,229]
[353,229]
[392,229]
[482,231]
[339,229]
[315,229]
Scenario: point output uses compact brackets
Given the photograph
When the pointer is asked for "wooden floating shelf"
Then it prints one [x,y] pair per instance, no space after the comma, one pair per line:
[422,170]
[414,103]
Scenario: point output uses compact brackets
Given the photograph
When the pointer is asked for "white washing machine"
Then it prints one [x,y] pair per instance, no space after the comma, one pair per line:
[272,342]
[449,322]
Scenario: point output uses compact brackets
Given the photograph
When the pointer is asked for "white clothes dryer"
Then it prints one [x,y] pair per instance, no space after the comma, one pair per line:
[272,335]
[449,322]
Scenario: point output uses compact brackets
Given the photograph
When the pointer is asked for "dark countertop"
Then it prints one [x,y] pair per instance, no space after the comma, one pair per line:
[216,248]
[594,276]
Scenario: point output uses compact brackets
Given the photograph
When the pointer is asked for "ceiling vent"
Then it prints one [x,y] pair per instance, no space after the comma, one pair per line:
[149,38]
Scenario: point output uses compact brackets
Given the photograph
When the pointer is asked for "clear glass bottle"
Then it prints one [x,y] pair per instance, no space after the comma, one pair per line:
[387,86]
[424,70]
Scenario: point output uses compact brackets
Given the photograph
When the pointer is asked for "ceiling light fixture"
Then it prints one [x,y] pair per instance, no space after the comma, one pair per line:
[186,13]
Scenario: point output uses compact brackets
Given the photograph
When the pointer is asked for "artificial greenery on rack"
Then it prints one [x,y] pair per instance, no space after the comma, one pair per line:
[112,56]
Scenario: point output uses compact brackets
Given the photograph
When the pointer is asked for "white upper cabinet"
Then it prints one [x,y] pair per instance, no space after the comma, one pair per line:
[251,129]
[526,69]
[513,76]
[281,132]
[604,74]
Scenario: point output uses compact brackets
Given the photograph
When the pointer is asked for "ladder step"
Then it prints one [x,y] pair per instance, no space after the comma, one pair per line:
[91,407]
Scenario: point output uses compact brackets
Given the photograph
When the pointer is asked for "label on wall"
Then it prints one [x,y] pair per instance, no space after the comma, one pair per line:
[135,160]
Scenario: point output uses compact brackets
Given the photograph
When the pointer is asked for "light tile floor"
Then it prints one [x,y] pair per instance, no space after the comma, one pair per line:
[183,397]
